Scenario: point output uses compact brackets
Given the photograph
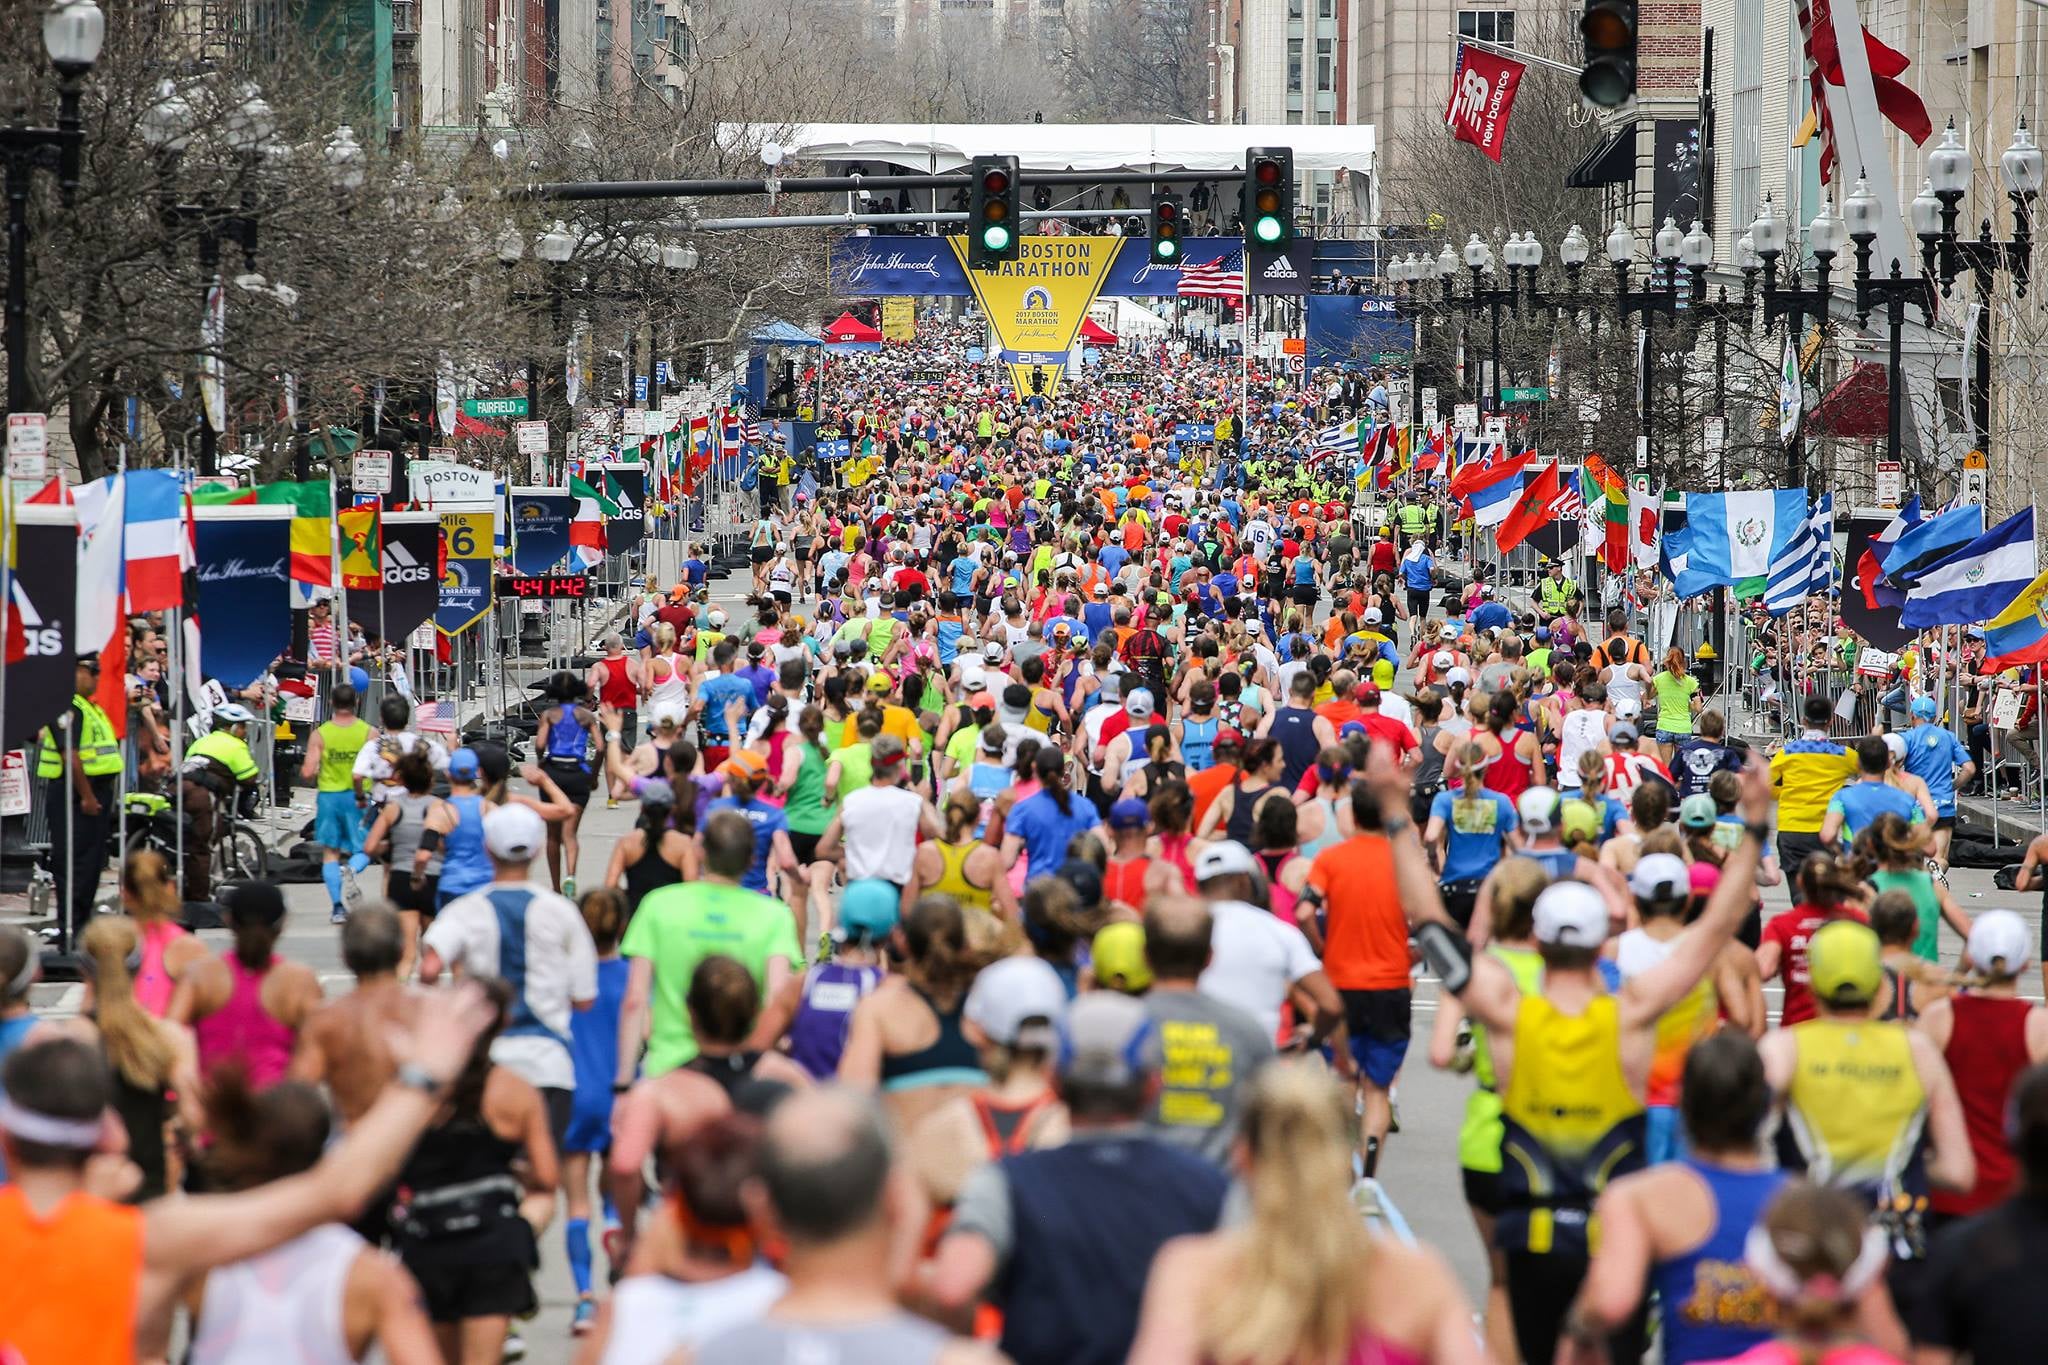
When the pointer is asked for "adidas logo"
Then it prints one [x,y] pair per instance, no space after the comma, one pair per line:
[39,640]
[1280,269]
[400,565]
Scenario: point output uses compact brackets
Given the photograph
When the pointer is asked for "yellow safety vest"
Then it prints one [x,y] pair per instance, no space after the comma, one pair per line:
[99,749]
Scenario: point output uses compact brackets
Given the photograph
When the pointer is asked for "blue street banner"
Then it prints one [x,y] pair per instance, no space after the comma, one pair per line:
[245,612]
[540,528]
[628,528]
[42,585]
[871,267]
[466,571]
[1359,328]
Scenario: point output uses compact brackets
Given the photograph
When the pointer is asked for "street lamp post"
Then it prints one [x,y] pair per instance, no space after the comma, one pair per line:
[1824,241]
[1945,255]
[1668,248]
[73,31]
[1860,212]
[554,248]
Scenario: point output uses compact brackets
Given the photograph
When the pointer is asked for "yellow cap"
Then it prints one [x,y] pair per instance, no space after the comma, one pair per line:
[1119,953]
[1844,963]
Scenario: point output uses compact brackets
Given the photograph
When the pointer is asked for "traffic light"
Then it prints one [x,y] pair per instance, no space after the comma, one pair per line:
[1166,225]
[1269,196]
[1608,78]
[993,226]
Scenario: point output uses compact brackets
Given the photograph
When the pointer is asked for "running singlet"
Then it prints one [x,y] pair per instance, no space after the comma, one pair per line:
[1480,1133]
[1570,1125]
[69,1281]
[1712,1304]
[617,690]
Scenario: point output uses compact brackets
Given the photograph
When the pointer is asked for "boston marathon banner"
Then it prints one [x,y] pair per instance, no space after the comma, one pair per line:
[1035,305]
[43,588]
[465,593]
[540,528]
[245,612]
[880,267]
[629,527]
[412,555]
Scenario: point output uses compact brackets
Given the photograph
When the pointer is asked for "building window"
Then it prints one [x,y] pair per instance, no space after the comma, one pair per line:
[1326,63]
[1326,9]
[1744,141]
[1488,25]
[1294,65]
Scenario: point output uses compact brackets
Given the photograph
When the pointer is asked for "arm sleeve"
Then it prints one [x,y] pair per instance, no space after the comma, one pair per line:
[582,956]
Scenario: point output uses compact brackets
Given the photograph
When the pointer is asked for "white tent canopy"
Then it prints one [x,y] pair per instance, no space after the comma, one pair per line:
[934,147]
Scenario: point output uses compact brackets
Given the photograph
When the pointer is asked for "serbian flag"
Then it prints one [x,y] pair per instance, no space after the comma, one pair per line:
[1431,454]
[155,516]
[1493,468]
[1536,508]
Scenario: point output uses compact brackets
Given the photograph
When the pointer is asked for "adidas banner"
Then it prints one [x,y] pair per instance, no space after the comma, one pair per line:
[245,610]
[41,589]
[1286,271]
[627,529]
[540,528]
[412,545]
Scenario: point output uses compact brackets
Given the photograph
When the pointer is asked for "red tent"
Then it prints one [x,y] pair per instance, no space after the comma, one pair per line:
[847,327]
[1095,335]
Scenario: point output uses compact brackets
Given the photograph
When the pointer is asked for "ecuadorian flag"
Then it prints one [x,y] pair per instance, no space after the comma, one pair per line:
[2019,634]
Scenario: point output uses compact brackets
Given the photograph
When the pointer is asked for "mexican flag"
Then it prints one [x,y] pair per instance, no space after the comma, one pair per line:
[312,535]
[586,528]
[1601,487]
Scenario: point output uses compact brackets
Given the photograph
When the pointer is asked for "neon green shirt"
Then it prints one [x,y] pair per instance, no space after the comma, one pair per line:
[339,745]
[677,927]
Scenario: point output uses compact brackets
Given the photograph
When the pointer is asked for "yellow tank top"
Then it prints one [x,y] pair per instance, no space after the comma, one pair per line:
[1678,1028]
[953,879]
[1038,718]
[1570,1123]
[1856,1105]
[339,745]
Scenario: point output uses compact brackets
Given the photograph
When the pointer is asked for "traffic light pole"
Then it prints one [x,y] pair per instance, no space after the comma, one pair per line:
[575,190]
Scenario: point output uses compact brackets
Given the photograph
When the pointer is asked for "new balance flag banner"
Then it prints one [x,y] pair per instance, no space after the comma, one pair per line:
[1482,93]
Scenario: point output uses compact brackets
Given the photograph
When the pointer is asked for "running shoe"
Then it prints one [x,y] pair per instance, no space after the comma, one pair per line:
[515,1345]
[351,890]
[1393,1110]
[340,915]
[611,803]
[584,1318]
[569,887]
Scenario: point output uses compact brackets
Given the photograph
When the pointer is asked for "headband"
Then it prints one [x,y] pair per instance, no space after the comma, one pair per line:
[1760,1253]
[51,1131]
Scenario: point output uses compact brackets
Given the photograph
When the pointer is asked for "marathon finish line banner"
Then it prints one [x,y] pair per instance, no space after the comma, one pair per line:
[540,528]
[870,267]
[1036,304]
[41,611]
[245,602]
[412,551]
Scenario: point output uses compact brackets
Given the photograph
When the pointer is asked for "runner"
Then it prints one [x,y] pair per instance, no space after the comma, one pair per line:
[340,799]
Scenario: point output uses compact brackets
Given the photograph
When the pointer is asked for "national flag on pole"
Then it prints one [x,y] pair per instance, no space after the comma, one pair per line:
[1806,566]
[1896,101]
[1222,278]
[1491,468]
[1977,582]
[1492,503]
[1645,523]
[1791,392]
[1879,593]
[1931,542]
[188,573]
[1536,507]
[1734,537]
[155,532]
[1605,490]
[312,529]
[2019,634]
[1433,449]
[362,549]
[100,595]
[586,528]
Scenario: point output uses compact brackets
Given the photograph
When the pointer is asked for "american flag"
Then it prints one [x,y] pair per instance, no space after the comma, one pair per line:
[750,432]
[434,717]
[1222,278]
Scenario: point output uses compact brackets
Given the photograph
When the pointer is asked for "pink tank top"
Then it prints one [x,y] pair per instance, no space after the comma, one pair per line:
[153,984]
[242,1031]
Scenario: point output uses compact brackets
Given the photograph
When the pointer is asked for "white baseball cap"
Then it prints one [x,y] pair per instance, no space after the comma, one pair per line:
[1537,809]
[1138,703]
[515,834]
[1627,709]
[1444,659]
[1572,915]
[1226,859]
[1458,676]
[1372,616]
[1012,990]
[1660,877]
[2000,936]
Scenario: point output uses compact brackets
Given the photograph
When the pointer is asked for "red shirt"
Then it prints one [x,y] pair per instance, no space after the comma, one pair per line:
[1389,731]
[1383,558]
[1791,931]
[1987,1050]
[912,581]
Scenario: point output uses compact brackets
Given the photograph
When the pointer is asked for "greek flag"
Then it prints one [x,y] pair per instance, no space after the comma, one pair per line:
[1805,567]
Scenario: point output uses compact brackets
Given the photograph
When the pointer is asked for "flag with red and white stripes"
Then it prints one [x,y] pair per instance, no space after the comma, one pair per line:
[1222,278]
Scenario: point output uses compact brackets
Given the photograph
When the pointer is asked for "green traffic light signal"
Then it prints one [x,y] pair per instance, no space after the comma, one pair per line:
[1267,229]
[1166,246]
[995,237]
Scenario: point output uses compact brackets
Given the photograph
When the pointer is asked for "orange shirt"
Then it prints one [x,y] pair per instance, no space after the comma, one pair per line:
[1366,943]
[1339,713]
[1207,785]
[69,1282]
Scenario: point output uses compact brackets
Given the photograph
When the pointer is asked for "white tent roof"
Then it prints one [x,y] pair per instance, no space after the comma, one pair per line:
[933,147]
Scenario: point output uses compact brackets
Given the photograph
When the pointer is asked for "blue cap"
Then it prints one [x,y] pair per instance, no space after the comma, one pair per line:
[1129,813]
[1923,707]
[1352,727]
[463,765]
[868,908]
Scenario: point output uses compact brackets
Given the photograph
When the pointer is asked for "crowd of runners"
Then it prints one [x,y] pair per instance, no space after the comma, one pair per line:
[1015,949]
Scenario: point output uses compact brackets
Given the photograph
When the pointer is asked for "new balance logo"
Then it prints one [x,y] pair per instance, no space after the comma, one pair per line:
[1280,269]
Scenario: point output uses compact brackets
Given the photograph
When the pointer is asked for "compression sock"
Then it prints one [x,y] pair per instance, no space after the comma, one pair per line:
[330,872]
[578,1234]
[358,861]
[1372,1158]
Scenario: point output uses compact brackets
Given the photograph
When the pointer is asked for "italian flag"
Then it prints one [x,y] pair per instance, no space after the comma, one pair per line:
[586,528]
[312,534]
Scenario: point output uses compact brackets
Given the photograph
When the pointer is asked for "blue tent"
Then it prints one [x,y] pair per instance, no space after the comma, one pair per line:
[778,354]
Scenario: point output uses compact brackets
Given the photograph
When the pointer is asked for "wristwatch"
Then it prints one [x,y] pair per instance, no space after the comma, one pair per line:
[413,1076]
[1761,832]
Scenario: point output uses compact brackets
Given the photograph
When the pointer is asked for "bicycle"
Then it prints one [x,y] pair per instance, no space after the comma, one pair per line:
[238,853]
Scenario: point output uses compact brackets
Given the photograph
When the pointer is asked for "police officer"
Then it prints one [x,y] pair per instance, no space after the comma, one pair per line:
[217,765]
[79,765]
[1414,519]
[1555,590]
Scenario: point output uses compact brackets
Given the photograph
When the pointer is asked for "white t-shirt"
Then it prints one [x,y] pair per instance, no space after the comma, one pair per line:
[375,765]
[879,825]
[1584,731]
[1254,960]
[654,1316]
[560,968]
[1396,707]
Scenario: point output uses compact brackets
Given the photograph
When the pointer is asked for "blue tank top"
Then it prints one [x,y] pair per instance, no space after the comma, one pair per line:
[1304,571]
[465,865]
[568,738]
[1558,862]
[1713,1306]
[594,1033]
[13,1033]
[817,1035]
[1294,727]
[1198,742]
